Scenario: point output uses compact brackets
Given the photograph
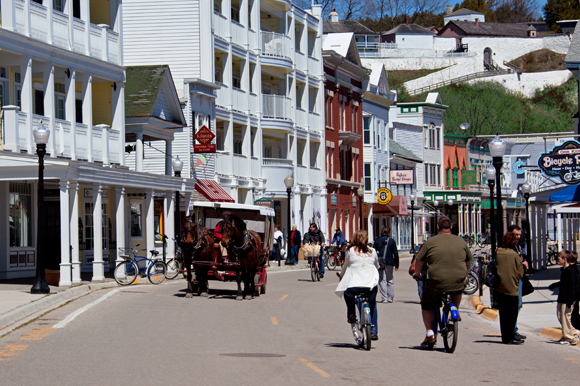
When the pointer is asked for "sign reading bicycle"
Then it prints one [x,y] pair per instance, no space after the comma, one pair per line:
[384,196]
[562,161]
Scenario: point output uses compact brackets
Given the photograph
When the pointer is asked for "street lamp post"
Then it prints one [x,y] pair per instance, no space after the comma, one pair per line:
[360,192]
[497,149]
[41,135]
[526,188]
[490,176]
[436,203]
[177,167]
[289,182]
[412,197]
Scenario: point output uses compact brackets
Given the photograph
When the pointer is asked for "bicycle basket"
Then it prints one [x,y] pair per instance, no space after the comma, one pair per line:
[125,253]
[311,250]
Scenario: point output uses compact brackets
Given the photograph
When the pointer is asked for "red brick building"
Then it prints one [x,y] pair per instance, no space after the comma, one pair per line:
[343,134]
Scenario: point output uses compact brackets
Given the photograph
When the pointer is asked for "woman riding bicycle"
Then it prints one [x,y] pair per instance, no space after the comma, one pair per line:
[360,274]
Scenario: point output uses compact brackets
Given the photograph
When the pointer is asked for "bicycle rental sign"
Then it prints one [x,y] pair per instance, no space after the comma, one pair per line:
[562,161]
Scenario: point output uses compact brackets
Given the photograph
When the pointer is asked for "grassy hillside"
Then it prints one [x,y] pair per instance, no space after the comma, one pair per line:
[541,61]
[399,77]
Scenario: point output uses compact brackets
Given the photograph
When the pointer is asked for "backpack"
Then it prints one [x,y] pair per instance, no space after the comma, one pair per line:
[386,257]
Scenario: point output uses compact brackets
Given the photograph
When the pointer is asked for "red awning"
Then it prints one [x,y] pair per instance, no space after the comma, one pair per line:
[397,207]
[213,191]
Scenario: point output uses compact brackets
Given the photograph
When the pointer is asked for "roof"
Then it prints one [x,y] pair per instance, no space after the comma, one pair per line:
[409,29]
[464,11]
[343,44]
[212,190]
[490,29]
[573,55]
[144,86]
[540,26]
[340,26]
[396,149]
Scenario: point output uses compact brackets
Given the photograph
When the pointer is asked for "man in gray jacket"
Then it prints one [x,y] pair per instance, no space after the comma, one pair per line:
[388,256]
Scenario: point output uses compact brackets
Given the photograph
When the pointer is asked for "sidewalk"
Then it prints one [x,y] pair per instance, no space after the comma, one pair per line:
[538,314]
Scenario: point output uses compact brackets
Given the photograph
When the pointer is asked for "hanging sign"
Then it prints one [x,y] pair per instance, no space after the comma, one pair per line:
[204,136]
[562,161]
[384,196]
[401,177]
[519,167]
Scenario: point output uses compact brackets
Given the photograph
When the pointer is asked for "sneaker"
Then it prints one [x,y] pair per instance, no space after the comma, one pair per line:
[429,341]
[564,342]
[321,276]
[351,319]
[515,341]
[519,336]
[374,337]
[576,340]
[390,301]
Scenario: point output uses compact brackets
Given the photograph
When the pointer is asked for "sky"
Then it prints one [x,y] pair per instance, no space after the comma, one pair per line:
[540,4]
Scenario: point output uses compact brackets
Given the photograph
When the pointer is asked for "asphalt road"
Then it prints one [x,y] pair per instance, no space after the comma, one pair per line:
[295,334]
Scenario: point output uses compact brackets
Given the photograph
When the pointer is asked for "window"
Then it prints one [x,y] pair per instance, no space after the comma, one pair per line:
[328,117]
[57,5]
[77,9]
[220,138]
[79,110]
[237,146]
[368,180]
[39,102]
[236,82]
[432,137]
[267,151]
[3,87]
[89,233]
[136,219]
[235,15]
[367,130]
[314,146]
[20,215]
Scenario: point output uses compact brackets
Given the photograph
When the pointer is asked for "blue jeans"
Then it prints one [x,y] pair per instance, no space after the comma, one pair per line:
[519,303]
[374,321]
[321,268]
[350,304]
[276,252]
[294,253]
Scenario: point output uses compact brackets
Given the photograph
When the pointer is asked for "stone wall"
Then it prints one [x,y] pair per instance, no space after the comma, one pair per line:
[528,83]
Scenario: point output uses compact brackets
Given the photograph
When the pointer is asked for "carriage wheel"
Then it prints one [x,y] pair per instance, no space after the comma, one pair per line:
[263,287]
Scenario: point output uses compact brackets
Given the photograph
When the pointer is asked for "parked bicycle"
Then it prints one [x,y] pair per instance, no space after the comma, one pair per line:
[484,240]
[552,255]
[448,324]
[175,265]
[126,272]
[468,239]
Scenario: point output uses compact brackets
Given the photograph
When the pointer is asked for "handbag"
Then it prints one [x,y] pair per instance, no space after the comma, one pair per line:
[527,286]
[492,279]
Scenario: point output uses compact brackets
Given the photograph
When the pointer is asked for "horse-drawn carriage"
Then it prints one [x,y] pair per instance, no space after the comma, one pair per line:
[247,236]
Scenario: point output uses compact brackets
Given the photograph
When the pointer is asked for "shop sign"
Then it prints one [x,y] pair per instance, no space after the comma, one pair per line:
[401,177]
[562,161]
[468,177]
[204,136]
[264,201]
[384,196]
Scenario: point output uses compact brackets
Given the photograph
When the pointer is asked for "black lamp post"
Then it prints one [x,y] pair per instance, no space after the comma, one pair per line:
[490,176]
[526,188]
[41,135]
[289,182]
[436,203]
[360,192]
[177,167]
[497,149]
[412,197]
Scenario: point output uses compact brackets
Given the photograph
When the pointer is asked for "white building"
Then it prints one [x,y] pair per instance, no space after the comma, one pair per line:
[464,14]
[61,67]
[251,71]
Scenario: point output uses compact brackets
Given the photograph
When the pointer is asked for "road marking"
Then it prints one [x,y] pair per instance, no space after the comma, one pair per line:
[274,320]
[37,334]
[313,367]
[12,351]
[573,360]
[283,297]
[72,316]
[485,331]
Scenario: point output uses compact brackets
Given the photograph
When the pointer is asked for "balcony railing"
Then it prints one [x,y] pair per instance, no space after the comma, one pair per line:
[239,100]
[275,44]
[276,106]
[239,34]
[220,25]
[54,27]
[100,144]
[277,162]
[314,66]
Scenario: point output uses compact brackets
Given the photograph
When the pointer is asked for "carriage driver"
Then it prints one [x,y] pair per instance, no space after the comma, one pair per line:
[217,234]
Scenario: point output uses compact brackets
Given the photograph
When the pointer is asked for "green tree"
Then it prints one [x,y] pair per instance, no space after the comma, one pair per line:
[556,10]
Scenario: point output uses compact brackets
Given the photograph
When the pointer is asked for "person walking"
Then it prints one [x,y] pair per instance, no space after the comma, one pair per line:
[388,255]
[315,236]
[517,231]
[449,260]
[568,295]
[359,274]
[510,270]
[295,241]
[278,239]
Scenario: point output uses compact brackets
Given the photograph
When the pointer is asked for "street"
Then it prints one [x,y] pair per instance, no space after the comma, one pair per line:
[295,334]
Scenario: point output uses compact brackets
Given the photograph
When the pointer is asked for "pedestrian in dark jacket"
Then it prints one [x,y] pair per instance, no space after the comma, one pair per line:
[567,295]
[295,242]
[388,256]
[315,236]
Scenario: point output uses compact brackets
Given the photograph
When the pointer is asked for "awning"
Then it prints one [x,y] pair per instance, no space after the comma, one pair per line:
[397,207]
[213,191]
[569,194]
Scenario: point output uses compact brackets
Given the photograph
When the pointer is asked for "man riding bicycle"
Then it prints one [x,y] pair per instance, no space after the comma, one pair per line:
[449,260]
[315,236]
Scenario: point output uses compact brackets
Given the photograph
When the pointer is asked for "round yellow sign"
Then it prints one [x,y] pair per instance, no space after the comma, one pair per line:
[384,196]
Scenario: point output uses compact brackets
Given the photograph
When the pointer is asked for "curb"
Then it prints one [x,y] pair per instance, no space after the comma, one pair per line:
[486,312]
[553,333]
[47,301]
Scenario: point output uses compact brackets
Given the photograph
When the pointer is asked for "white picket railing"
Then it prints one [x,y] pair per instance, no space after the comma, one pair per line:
[220,25]
[239,100]
[275,44]
[276,106]
[239,34]
[79,28]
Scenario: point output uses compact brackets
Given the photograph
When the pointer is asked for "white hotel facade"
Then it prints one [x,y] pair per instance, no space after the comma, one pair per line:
[250,70]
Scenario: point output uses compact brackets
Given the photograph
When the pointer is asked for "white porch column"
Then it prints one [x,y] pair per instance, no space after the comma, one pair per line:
[87,95]
[149,219]
[74,232]
[119,110]
[168,158]
[65,264]
[559,234]
[98,264]
[323,212]
[120,219]
[70,111]
[26,99]
[48,83]
[169,209]
[85,15]
[139,152]
[187,202]
[460,215]
[478,215]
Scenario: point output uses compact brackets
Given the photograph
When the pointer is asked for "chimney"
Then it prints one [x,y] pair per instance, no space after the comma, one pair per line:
[449,10]
[476,22]
[333,15]
[407,20]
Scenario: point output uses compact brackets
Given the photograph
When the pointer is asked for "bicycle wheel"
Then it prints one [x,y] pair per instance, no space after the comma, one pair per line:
[450,332]
[173,268]
[318,264]
[357,327]
[313,269]
[156,272]
[366,324]
[471,284]
[126,272]
[331,261]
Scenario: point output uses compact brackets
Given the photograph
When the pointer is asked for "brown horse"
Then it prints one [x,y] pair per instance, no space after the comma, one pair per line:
[196,246]
[246,246]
